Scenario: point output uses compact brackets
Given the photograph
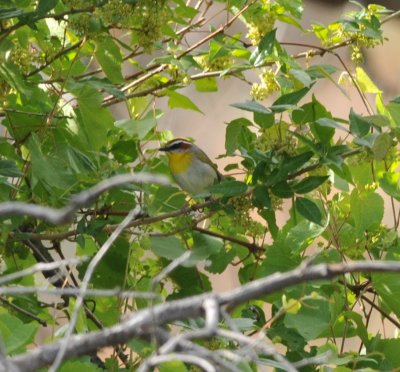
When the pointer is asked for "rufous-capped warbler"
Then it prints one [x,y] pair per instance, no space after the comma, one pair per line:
[191,168]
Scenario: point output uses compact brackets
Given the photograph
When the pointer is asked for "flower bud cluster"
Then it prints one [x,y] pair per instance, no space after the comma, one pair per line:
[242,217]
[261,22]
[268,84]
[217,64]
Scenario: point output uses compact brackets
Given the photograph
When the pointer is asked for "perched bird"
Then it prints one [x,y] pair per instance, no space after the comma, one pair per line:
[191,168]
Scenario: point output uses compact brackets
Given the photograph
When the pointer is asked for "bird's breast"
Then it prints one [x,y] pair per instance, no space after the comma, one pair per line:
[180,162]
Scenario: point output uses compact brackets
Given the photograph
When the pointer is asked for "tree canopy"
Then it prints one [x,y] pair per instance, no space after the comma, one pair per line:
[100,246]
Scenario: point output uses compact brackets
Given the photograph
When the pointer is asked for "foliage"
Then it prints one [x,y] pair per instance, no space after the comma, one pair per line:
[63,68]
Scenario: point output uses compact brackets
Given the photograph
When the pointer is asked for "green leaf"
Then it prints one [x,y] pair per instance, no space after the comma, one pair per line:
[79,365]
[358,125]
[309,210]
[45,5]
[189,281]
[294,163]
[261,197]
[366,209]
[387,285]
[177,100]
[270,217]
[12,75]
[229,188]
[301,76]
[94,120]
[378,120]
[252,106]
[203,247]
[206,85]
[365,83]
[279,259]
[330,123]
[389,182]
[236,134]
[173,366]
[264,49]
[139,128]
[282,190]
[103,84]
[389,348]
[382,145]
[45,168]
[316,114]
[361,328]
[220,261]
[313,312]
[295,7]
[264,120]
[167,247]
[291,98]
[308,184]
[110,59]
[8,168]
[16,334]
[186,11]
[10,13]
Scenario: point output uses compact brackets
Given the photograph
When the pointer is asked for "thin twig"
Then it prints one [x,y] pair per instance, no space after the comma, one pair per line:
[42,266]
[23,311]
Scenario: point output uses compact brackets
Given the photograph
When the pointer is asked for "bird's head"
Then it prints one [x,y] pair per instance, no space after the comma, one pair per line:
[177,146]
[180,154]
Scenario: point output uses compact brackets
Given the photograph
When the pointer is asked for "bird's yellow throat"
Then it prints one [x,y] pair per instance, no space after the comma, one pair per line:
[179,162]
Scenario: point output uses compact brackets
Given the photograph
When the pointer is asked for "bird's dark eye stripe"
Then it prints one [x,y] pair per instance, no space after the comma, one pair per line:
[175,146]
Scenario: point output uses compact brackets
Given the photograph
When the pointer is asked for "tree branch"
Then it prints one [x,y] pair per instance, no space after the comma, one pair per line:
[64,215]
[141,323]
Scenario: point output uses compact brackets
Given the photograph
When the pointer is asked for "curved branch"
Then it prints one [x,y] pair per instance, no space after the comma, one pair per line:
[63,215]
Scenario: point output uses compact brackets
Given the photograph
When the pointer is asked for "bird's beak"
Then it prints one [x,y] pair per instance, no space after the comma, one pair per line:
[162,149]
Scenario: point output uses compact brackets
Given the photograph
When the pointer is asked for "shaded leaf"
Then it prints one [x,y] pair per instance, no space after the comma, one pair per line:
[109,57]
[358,125]
[45,5]
[291,98]
[381,146]
[229,188]
[167,247]
[235,134]
[315,313]
[8,168]
[309,210]
[252,106]
[308,184]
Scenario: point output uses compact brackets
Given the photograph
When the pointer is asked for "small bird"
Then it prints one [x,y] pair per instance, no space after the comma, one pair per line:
[191,168]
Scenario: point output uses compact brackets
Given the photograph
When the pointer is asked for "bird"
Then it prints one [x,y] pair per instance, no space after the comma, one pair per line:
[191,168]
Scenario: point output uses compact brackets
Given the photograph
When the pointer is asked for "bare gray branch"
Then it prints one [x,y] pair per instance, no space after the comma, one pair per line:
[140,324]
[64,215]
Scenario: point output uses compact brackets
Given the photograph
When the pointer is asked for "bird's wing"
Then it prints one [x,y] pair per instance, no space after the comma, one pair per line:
[203,157]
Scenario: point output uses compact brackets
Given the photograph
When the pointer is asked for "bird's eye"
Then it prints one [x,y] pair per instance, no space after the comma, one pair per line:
[175,146]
